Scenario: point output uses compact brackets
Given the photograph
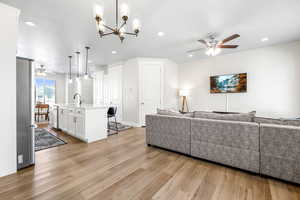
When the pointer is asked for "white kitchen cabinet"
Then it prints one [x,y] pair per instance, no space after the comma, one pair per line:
[71,124]
[87,123]
[63,119]
[80,126]
[53,118]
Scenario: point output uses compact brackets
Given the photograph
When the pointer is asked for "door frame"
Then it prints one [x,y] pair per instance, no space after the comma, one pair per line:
[141,63]
[106,94]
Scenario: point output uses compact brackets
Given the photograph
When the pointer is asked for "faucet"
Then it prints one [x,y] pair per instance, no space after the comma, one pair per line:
[75,95]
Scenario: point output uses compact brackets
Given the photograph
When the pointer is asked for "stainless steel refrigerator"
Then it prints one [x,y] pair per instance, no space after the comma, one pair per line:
[25,122]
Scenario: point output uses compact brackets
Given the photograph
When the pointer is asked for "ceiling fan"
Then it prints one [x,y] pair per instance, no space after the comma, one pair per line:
[213,46]
[41,71]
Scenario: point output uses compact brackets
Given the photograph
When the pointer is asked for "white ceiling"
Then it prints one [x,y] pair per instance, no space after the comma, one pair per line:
[65,26]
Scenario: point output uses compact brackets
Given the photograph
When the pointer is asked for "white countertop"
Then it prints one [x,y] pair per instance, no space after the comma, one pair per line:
[83,106]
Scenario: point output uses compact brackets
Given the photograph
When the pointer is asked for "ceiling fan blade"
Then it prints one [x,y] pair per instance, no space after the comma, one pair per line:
[230,38]
[195,50]
[203,42]
[228,46]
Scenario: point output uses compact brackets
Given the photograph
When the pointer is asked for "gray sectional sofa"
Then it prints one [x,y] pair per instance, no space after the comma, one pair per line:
[260,145]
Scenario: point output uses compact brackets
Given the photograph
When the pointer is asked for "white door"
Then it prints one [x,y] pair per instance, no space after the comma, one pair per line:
[112,87]
[151,89]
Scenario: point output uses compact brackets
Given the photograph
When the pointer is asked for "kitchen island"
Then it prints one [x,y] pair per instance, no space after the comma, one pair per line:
[86,122]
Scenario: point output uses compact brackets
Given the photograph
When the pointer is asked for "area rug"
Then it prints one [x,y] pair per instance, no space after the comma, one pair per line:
[45,140]
[121,127]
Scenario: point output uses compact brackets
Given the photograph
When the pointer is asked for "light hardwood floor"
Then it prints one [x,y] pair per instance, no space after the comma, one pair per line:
[123,167]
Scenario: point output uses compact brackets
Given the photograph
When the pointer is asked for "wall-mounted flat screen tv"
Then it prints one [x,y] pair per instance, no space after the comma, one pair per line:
[231,83]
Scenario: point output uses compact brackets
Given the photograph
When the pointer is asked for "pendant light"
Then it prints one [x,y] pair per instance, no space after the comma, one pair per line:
[86,75]
[70,69]
[78,75]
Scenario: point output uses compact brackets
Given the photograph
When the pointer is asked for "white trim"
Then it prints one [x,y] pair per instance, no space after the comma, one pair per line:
[133,124]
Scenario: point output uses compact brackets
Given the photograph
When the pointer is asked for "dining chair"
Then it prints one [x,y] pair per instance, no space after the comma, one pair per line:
[41,110]
[111,113]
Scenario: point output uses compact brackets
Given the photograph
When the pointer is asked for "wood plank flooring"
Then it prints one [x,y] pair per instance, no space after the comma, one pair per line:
[123,167]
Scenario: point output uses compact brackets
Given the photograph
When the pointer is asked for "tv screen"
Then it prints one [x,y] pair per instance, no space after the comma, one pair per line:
[231,83]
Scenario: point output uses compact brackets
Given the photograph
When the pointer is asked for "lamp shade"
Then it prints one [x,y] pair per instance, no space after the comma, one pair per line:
[184,93]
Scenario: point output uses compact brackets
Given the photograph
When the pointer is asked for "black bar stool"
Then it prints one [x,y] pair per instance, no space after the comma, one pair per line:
[111,113]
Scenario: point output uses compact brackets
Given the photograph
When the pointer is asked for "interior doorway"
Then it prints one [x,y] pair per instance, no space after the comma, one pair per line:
[151,89]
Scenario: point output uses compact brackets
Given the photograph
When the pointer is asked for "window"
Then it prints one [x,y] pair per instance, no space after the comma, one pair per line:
[45,91]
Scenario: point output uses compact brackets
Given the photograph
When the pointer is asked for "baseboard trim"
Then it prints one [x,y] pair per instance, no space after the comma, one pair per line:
[133,124]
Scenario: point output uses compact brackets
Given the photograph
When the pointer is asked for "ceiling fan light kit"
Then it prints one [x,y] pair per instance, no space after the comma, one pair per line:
[118,29]
[41,71]
[214,47]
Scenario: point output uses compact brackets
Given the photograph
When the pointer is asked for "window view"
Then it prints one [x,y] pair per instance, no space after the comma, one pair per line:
[44,91]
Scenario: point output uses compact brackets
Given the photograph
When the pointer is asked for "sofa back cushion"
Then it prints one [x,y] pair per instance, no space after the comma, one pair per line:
[292,122]
[173,113]
[264,120]
[242,117]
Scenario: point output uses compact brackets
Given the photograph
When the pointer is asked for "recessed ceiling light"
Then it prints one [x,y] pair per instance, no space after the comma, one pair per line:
[265,39]
[30,23]
[190,55]
[160,34]
[114,52]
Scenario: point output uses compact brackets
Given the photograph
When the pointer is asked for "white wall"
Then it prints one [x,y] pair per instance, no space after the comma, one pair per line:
[8,49]
[170,98]
[273,81]
[131,87]
[60,90]
[87,91]
[84,87]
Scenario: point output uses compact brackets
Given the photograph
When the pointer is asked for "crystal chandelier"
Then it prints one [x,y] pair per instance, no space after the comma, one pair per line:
[119,28]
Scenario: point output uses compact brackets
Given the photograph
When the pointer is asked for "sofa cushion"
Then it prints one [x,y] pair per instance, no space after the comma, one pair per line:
[292,122]
[243,117]
[264,120]
[174,113]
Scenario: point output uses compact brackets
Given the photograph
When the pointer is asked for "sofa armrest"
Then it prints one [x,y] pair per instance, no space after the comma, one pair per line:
[280,140]
[169,132]
[280,151]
